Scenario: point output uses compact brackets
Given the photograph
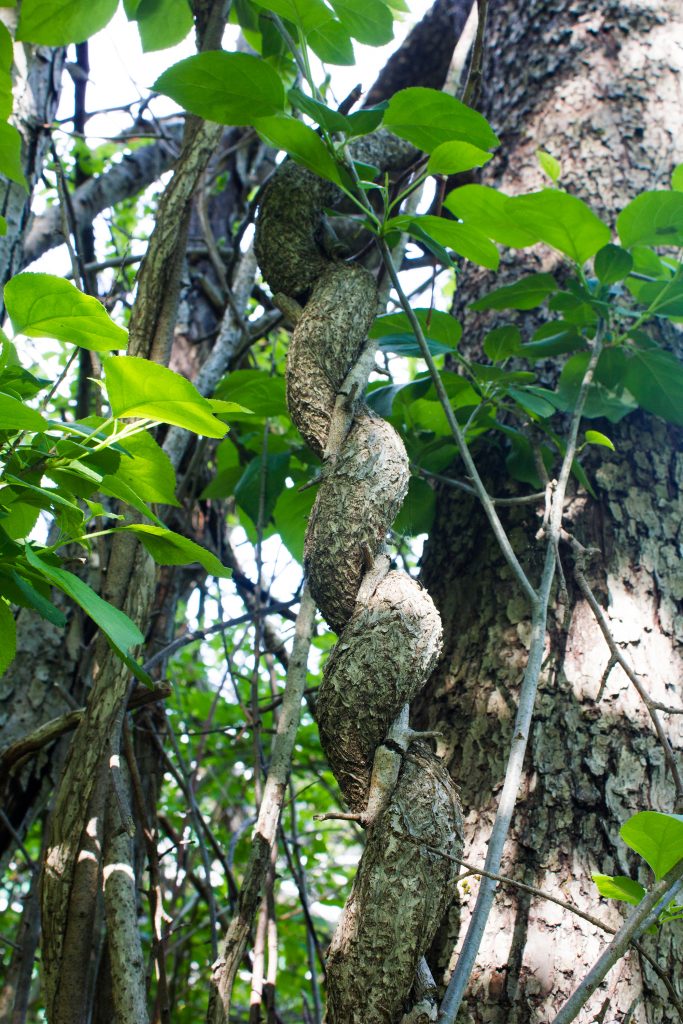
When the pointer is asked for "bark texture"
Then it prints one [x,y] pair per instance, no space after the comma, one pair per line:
[599,87]
[390,631]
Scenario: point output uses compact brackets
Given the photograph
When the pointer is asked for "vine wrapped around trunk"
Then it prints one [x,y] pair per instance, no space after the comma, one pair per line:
[389,630]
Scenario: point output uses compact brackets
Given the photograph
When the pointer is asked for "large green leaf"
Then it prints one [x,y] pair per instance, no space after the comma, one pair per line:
[368,21]
[502,342]
[14,415]
[438,327]
[612,264]
[665,298]
[527,293]
[464,239]
[169,548]
[6,59]
[149,472]
[428,118]
[230,88]
[10,154]
[658,838]
[163,23]
[655,379]
[652,218]
[618,887]
[263,395]
[248,488]
[417,511]
[327,118]
[58,22]
[8,632]
[139,388]
[43,306]
[486,209]
[561,220]
[121,631]
[301,142]
[331,42]
[456,157]
[291,514]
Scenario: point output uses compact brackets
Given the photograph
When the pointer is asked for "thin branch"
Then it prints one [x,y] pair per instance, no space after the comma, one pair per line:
[460,485]
[473,83]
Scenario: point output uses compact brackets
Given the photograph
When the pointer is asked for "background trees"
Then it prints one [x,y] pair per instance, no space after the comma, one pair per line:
[194,771]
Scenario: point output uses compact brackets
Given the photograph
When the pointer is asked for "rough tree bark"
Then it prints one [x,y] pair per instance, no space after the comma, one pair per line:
[600,89]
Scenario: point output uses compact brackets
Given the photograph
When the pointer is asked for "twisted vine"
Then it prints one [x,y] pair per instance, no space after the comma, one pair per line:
[389,630]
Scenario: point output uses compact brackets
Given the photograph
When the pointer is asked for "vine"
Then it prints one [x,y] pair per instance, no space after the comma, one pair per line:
[389,630]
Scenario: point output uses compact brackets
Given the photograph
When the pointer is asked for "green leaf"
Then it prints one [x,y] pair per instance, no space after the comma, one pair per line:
[138,387]
[502,342]
[291,513]
[664,298]
[332,120]
[527,293]
[163,23]
[657,837]
[123,634]
[612,403]
[655,379]
[301,142]
[58,22]
[440,329]
[29,597]
[549,165]
[456,157]
[618,887]
[114,487]
[331,42]
[43,306]
[428,118]
[560,220]
[263,395]
[149,472]
[368,21]
[417,511]
[532,400]
[553,338]
[464,239]
[8,632]
[14,416]
[612,264]
[230,88]
[486,209]
[365,121]
[169,548]
[677,178]
[382,398]
[595,437]
[652,218]
[10,154]
[248,488]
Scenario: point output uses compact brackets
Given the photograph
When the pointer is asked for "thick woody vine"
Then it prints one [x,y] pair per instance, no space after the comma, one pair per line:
[389,630]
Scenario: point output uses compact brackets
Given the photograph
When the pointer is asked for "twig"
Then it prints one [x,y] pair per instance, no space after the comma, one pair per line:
[473,83]
[460,485]
[640,918]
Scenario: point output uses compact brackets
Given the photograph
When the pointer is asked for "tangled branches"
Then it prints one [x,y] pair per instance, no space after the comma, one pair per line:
[389,630]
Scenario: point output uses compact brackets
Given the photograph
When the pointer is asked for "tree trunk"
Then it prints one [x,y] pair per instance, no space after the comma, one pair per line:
[598,89]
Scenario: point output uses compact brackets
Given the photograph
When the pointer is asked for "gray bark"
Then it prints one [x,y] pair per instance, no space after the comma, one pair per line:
[36,87]
[585,90]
